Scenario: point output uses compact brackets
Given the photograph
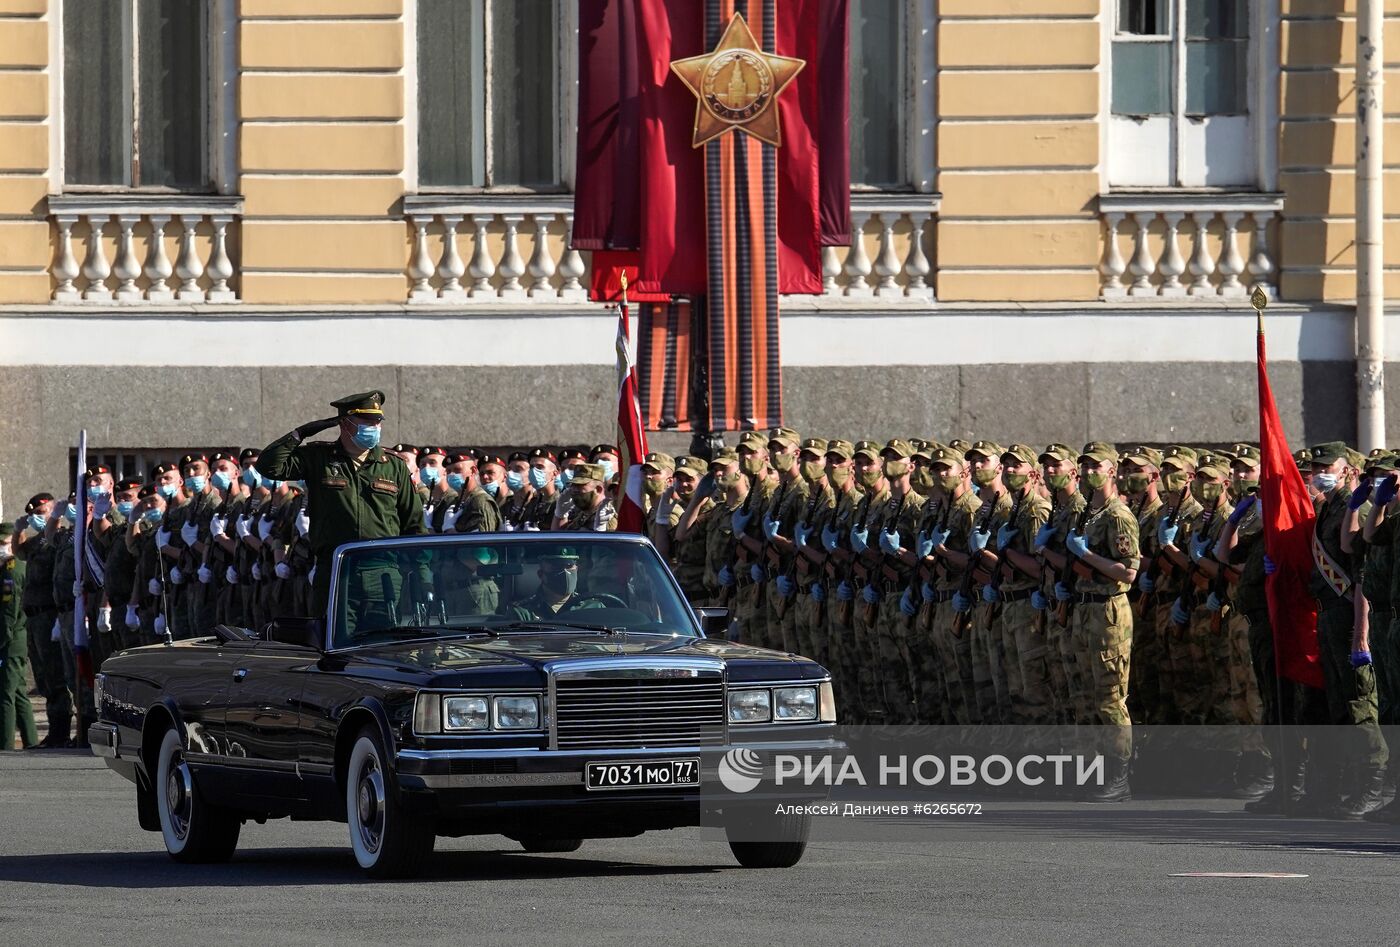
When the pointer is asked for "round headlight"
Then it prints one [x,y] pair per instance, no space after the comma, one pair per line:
[795,703]
[751,706]
[465,713]
[517,713]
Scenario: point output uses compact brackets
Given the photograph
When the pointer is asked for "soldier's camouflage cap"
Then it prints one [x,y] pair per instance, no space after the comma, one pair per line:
[691,465]
[839,448]
[816,446]
[984,449]
[1179,456]
[1055,453]
[1329,453]
[1245,455]
[785,436]
[918,443]
[870,449]
[589,473]
[946,456]
[1385,463]
[1019,454]
[369,404]
[1214,464]
[899,447]
[659,461]
[925,449]
[724,457]
[1143,456]
[1098,452]
[959,445]
[753,440]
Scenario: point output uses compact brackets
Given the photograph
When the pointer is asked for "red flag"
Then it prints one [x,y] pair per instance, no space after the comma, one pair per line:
[1288,526]
[632,440]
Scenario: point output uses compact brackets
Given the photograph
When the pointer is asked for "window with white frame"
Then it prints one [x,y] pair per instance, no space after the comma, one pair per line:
[879,94]
[1180,94]
[136,91]
[489,94]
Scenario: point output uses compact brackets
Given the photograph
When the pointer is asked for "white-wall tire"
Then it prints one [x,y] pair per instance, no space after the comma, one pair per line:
[386,840]
[193,830]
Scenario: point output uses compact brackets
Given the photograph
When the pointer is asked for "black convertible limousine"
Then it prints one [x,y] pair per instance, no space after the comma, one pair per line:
[546,687]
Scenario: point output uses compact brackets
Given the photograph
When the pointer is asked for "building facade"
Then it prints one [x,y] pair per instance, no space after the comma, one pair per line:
[216,215]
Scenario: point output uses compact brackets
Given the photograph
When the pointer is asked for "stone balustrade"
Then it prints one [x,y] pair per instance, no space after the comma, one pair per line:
[144,249]
[889,257]
[1154,227]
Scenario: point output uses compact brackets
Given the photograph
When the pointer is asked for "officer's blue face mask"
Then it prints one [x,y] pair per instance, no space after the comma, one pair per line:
[195,484]
[515,480]
[538,478]
[366,436]
[566,477]
[152,515]
[456,481]
[250,477]
[492,488]
[221,480]
[608,468]
[168,490]
[70,513]
[125,507]
[98,492]
[36,522]
[429,475]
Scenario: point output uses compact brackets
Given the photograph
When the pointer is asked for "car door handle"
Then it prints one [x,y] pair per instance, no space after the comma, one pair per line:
[240,674]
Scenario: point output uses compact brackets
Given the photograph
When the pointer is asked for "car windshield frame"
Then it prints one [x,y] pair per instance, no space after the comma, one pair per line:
[464,540]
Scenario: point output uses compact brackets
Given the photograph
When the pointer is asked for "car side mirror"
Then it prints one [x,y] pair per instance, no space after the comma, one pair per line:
[713,621]
[303,632]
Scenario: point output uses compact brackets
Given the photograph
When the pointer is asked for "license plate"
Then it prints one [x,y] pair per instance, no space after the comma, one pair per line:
[642,774]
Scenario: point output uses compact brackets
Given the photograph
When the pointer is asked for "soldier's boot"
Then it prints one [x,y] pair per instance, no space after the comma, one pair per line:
[1364,801]
[1115,785]
[1254,776]
[1287,791]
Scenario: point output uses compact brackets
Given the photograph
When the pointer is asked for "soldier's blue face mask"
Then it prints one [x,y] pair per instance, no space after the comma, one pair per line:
[221,480]
[492,488]
[152,515]
[456,481]
[250,477]
[429,475]
[366,436]
[608,468]
[194,484]
[168,490]
[70,513]
[36,522]
[516,480]
[538,478]
[125,507]
[97,492]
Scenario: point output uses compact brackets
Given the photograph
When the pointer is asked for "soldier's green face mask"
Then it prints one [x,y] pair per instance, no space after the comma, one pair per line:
[923,481]
[1094,480]
[753,464]
[1015,481]
[1238,488]
[868,477]
[949,480]
[839,476]
[1206,492]
[654,486]
[1174,480]
[894,469]
[783,462]
[982,476]
[1059,481]
[813,470]
[727,479]
[1135,483]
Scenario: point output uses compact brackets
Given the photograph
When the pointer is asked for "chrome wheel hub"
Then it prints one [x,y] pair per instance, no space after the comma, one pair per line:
[369,806]
[179,796]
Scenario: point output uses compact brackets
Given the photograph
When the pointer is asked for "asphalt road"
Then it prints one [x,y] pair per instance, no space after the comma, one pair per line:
[75,868]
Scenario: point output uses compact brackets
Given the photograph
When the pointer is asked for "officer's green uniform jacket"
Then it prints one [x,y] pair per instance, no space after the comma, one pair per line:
[480,514]
[538,608]
[14,637]
[1248,555]
[346,501]
[38,555]
[1331,510]
[121,562]
[65,571]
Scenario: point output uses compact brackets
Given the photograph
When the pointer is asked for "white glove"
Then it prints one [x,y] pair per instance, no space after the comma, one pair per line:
[190,533]
[176,576]
[283,570]
[264,527]
[104,619]
[257,572]
[431,596]
[531,528]
[163,538]
[311,576]
[56,634]
[240,526]
[428,516]
[449,521]
[303,522]
[218,527]
[507,527]
[160,625]
[153,586]
[231,575]
[133,620]
[205,576]
[77,588]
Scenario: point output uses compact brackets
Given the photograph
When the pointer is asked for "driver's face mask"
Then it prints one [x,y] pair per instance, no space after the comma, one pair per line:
[561,582]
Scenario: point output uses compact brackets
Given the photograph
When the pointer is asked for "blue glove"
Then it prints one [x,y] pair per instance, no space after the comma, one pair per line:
[889,543]
[860,536]
[1359,659]
[1269,566]
[1387,490]
[1077,545]
[937,537]
[800,534]
[977,539]
[770,527]
[1044,535]
[1199,548]
[870,594]
[1179,613]
[1145,582]
[1006,536]
[818,593]
[1213,602]
[926,592]
[725,577]
[844,592]
[1360,495]
[961,603]
[740,520]
[785,586]
[756,572]
[990,595]
[1038,601]
[1242,509]
[923,545]
[1062,592]
[906,603]
[1166,533]
[830,538]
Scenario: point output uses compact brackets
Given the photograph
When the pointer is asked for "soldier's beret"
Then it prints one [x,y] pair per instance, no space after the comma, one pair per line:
[1245,455]
[458,458]
[1099,451]
[724,457]
[588,473]
[752,440]
[899,447]
[1178,456]
[785,436]
[37,500]
[149,490]
[839,448]
[517,455]
[870,449]
[602,449]
[96,470]
[816,446]
[219,455]
[369,404]
[128,483]
[659,461]
[430,451]
[984,449]
[572,453]
[192,459]
[161,469]
[1019,454]
[489,460]
[1328,453]
[402,448]
[691,465]
[540,453]
[1143,456]
[248,455]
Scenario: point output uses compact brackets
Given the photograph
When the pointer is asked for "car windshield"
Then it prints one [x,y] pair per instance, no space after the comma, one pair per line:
[449,587]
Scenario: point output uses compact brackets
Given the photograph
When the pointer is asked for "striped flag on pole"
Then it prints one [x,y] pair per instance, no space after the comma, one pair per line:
[632,439]
[82,654]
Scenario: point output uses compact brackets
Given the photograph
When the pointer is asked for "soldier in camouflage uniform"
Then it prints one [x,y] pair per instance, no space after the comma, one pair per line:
[731,490]
[1139,479]
[1194,613]
[988,670]
[592,510]
[685,553]
[807,629]
[1069,689]
[779,554]
[835,555]
[896,532]
[544,490]
[658,473]
[747,521]
[1165,582]
[863,589]
[947,541]
[1383,528]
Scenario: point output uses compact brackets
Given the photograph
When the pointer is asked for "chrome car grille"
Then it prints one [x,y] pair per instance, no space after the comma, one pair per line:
[637,712]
